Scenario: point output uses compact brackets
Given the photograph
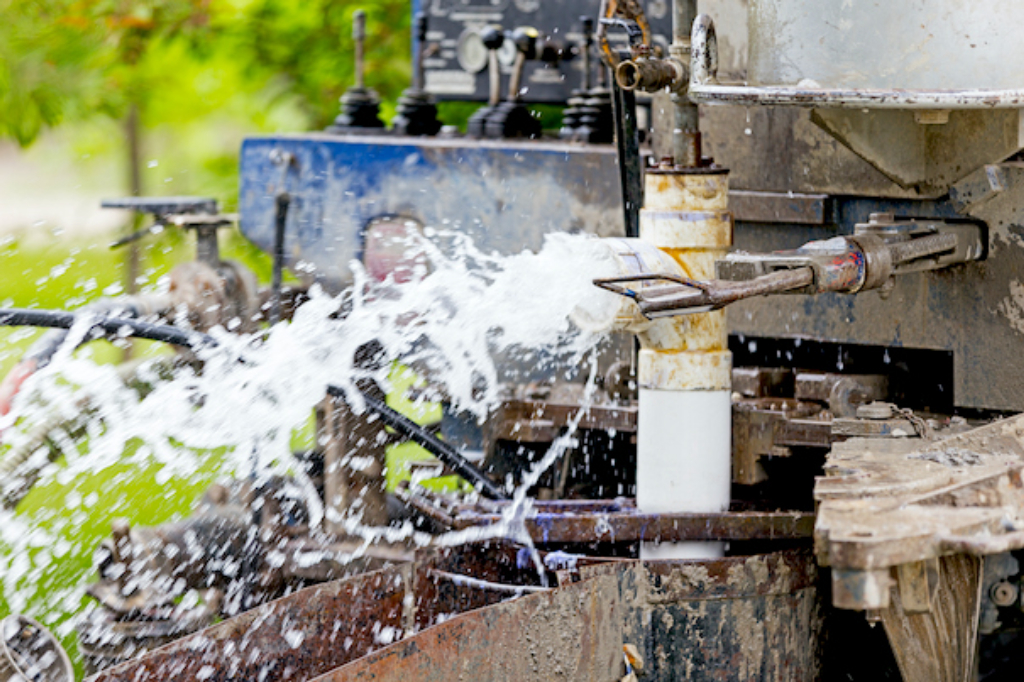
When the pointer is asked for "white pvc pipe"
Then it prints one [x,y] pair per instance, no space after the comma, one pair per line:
[684,461]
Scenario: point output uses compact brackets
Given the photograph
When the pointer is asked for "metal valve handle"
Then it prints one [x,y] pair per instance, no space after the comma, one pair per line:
[852,264]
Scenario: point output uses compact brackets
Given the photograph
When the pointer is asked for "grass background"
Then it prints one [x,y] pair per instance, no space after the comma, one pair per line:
[66,274]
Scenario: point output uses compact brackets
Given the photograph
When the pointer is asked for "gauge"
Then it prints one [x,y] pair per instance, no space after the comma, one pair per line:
[471,52]
[656,8]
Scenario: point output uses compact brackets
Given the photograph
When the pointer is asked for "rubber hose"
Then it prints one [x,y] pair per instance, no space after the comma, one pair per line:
[112,326]
[437,447]
[102,327]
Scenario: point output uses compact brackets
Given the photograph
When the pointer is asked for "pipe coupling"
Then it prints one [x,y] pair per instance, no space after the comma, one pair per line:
[651,74]
[878,265]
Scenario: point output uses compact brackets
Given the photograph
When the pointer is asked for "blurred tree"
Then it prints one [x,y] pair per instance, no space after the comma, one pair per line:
[166,62]
[305,49]
[47,68]
[72,59]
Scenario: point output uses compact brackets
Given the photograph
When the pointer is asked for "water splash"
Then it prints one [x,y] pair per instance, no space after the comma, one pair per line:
[470,323]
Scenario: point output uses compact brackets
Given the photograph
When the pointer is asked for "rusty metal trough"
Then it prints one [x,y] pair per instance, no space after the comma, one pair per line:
[483,609]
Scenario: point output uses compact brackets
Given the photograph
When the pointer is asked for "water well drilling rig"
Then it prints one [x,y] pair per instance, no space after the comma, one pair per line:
[815,206]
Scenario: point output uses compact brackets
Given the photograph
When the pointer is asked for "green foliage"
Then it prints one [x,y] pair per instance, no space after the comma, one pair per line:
[178,59]
[306,49]
[63,59]
[46,68]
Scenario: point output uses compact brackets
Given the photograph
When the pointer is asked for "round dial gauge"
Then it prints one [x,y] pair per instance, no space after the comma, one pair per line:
[657,8]
[471,52]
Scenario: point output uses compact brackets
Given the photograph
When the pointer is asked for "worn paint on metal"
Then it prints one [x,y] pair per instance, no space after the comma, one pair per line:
[739,618]
[730,620]
[506,195]
[939,645]
[299,636]
[572,633]
[555,522]
[312,631]
[686,214]
[956,310]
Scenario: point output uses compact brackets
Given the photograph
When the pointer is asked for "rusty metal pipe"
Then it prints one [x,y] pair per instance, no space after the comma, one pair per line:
[650,75]
[922,247]
[683,14]
[686,142]
[721,293]
[479,583]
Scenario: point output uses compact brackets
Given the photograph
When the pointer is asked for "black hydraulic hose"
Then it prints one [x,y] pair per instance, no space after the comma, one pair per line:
[437,447]
[114,326]
[281,203]
[43,350]
[631,173]
[105,326]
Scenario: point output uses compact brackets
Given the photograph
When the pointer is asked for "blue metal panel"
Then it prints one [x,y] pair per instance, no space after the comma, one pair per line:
[505,195]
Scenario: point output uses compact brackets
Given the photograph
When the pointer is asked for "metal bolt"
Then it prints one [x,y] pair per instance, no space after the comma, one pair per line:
[1004,594]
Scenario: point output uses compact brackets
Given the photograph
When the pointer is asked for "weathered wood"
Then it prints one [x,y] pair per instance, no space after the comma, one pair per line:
[939,646]
[886,502]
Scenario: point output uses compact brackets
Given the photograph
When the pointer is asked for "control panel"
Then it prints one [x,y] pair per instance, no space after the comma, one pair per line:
[455,58]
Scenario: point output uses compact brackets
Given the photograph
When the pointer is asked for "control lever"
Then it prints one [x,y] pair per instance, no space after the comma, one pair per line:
[360,106]
[588,116]
[416,110]
[869,259]
[512,118]
[525,40]
[493,38]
